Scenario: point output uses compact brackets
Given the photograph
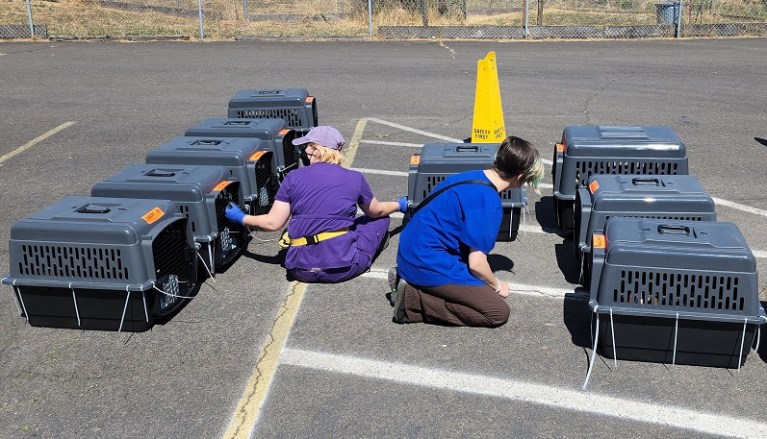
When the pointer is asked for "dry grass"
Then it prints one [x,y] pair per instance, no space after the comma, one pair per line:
[321,18]
[82,19]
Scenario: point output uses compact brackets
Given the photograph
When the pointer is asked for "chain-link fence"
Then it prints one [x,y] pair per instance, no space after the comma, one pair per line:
[507,19]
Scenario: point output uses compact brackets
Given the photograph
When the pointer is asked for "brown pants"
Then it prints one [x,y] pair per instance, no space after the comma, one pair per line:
[459,305]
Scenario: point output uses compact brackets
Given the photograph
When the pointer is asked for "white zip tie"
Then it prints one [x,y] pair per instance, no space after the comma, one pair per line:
[211,260]
[206,267]
[612,330]
[125,308]
[14,292]
[21,300]
[593,354]
[676,337]
[74,299]
[742,342]
[170,294]
[143,299]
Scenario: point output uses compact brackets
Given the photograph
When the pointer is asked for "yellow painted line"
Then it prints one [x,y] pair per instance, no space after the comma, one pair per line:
[35,141]
[351,151]
[249,407]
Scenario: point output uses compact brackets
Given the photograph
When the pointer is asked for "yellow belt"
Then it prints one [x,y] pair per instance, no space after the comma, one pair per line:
[314,239]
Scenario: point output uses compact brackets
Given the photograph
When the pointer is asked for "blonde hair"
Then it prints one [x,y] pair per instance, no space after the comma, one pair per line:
[327,155]
[533,175]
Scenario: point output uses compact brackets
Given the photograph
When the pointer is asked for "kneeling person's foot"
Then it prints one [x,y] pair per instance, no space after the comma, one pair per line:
[398,297]
[392,278]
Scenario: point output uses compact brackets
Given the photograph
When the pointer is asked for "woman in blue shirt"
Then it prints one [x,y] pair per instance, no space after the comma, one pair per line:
[442,256]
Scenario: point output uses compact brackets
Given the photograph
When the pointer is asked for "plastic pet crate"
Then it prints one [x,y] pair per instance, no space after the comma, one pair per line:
[248,160]
[274,133]
[102,263]
[201,194]
[670,197]
[438,161]
[295,105]
[588,150]
[679,292]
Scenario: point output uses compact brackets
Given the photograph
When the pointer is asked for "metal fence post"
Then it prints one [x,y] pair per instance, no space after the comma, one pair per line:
[199,12]
[370,18]
[679,21]
[539,18]
[245,12]
[31,23]
[527,17]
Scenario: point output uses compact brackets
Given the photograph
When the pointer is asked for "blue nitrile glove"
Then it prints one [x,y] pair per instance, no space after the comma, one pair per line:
[403,203]
[234,213]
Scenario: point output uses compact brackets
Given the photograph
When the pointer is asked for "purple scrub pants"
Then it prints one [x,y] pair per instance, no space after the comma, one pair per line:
[370,233]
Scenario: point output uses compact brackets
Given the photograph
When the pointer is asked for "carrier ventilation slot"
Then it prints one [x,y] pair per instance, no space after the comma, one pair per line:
[290,115]
[265,184]
[663,217]
[289,151]
[431,182]
[171,258]
[70,262]
[657,289]
[184,210]
[585,169]
[230,235]
[507,195]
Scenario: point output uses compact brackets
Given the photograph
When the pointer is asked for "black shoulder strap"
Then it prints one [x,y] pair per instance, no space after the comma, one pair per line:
[433,195]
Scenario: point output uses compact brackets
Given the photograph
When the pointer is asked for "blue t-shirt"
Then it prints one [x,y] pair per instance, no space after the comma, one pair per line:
[434,246]
[323,197]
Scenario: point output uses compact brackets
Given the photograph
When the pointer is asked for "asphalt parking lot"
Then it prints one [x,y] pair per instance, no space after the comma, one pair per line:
[254,355]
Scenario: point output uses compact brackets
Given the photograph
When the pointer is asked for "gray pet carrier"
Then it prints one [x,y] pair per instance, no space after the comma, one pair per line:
[102,263]
[248,160]
[201,194]
[295,105]
[591,149]
[438,161]
[679,292]
[274,133]
[671,197]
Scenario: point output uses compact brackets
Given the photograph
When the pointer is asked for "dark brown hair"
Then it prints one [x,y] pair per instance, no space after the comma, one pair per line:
[516,157]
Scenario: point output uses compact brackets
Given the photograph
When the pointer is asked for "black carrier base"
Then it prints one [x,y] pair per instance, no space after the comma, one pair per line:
[104,310]
[509,224]
[698,342]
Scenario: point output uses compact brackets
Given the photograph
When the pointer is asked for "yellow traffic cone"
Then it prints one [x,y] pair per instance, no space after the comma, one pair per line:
[488,125]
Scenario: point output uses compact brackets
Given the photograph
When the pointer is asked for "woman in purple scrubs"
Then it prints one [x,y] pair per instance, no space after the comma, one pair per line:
[328,243]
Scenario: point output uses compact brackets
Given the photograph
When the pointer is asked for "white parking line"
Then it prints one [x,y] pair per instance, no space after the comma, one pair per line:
[742,207]
[382,142]
[35,141]
[533,393]
[415,130]
[380,172]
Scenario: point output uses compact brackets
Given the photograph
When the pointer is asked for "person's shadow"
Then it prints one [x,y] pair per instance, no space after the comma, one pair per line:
[578,317]
[500,263]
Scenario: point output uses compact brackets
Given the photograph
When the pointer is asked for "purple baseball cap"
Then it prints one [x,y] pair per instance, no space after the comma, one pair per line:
[324,135]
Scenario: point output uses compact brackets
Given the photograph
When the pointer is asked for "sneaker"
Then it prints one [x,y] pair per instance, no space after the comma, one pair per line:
[400,316]
[392,278]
